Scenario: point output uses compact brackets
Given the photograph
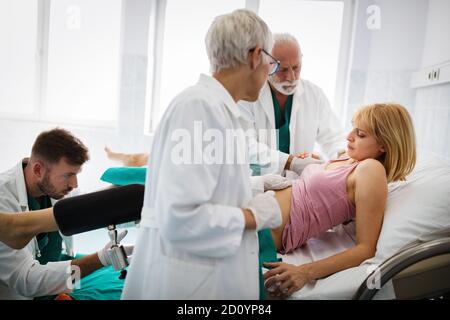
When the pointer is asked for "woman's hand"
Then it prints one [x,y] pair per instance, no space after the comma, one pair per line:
[304,155]
[284,278]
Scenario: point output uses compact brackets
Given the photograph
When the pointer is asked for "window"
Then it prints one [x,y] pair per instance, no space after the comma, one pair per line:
[317,26]
[180,55]
[18,38]
[84,61]
[183,55]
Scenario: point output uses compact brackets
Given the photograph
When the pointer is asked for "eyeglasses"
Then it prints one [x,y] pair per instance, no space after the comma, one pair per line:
[274,64]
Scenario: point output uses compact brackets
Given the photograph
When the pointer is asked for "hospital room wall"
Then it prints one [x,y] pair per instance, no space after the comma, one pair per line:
[432,108]
[412,35]
[17,136]
[385,55]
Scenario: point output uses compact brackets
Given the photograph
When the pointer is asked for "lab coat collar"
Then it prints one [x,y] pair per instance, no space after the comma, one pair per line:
[20,184]
[214,84]
[300,88]
[266,97]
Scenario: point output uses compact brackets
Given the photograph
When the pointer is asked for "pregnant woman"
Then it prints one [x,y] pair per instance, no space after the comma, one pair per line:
[381,149]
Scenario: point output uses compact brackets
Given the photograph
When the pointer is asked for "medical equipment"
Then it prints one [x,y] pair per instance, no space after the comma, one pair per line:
[420,271]
[105,208]
[117,253]
[99,209]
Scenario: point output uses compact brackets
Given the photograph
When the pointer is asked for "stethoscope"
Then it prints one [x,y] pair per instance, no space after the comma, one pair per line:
[37,251]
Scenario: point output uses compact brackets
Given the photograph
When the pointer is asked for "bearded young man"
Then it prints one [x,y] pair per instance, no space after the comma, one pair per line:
[42,269]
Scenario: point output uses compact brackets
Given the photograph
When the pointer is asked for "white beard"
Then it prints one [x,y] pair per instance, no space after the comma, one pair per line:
[285,87]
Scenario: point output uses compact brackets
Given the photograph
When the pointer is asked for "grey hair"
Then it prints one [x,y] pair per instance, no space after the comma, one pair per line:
[285,38]
[231,36]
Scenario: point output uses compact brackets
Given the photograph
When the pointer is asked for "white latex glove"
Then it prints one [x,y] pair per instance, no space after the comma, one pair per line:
[266,211]
[298,164]
[275,182]
[103,255]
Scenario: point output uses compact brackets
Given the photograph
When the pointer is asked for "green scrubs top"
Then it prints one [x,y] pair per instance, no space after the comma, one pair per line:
[282,121]
[50,243]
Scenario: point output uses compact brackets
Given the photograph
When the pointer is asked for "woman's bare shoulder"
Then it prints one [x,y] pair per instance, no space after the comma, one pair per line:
[370,169]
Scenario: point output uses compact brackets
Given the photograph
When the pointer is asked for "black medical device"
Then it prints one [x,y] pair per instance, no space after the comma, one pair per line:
[105,208]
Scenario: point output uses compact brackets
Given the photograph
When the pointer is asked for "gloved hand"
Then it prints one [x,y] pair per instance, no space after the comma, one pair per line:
[275,182]
[298,164]
[103,255]
[257,185]
[266,210]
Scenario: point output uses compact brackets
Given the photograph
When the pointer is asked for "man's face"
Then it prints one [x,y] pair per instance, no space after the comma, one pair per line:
[286,79]
[59,179]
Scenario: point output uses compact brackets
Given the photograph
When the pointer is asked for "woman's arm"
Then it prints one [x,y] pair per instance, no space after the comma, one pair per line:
[370,200]
[17,229]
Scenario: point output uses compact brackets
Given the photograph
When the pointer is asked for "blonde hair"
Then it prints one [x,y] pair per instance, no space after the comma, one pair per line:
[392,127]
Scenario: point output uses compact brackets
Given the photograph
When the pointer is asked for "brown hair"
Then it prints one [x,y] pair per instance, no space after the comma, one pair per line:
[58,143]
[392,127]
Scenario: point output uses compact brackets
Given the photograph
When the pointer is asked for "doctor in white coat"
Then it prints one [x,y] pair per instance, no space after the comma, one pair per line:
[291,115]
[21,276]
[36,183]
[198,236]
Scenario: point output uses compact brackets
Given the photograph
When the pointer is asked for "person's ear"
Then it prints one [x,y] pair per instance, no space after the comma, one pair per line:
[39,169]
[254,57]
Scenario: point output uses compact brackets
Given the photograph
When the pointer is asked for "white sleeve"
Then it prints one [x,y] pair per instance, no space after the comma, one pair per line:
[331,136]
[185,212]
[269,160]
[25,276]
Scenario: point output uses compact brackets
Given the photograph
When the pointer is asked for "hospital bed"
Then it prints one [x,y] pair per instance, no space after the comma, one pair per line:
[412,258]
[413,252]
[420,271]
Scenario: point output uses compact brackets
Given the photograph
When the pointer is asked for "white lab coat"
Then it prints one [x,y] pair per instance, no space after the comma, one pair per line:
[192,243]
[21,276]
[312,120]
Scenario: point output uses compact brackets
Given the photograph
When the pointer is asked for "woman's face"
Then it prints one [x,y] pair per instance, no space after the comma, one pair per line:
[361,145]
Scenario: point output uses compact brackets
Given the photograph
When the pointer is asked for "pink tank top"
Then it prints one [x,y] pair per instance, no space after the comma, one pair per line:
[319,202]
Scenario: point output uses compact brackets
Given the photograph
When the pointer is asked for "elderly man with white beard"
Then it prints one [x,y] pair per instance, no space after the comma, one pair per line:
[290,116]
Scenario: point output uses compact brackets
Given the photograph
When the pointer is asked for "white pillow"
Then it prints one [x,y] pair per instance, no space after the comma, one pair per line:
[415,207]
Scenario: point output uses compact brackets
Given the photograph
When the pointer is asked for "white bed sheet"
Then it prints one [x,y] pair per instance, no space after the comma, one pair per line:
[341,285]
